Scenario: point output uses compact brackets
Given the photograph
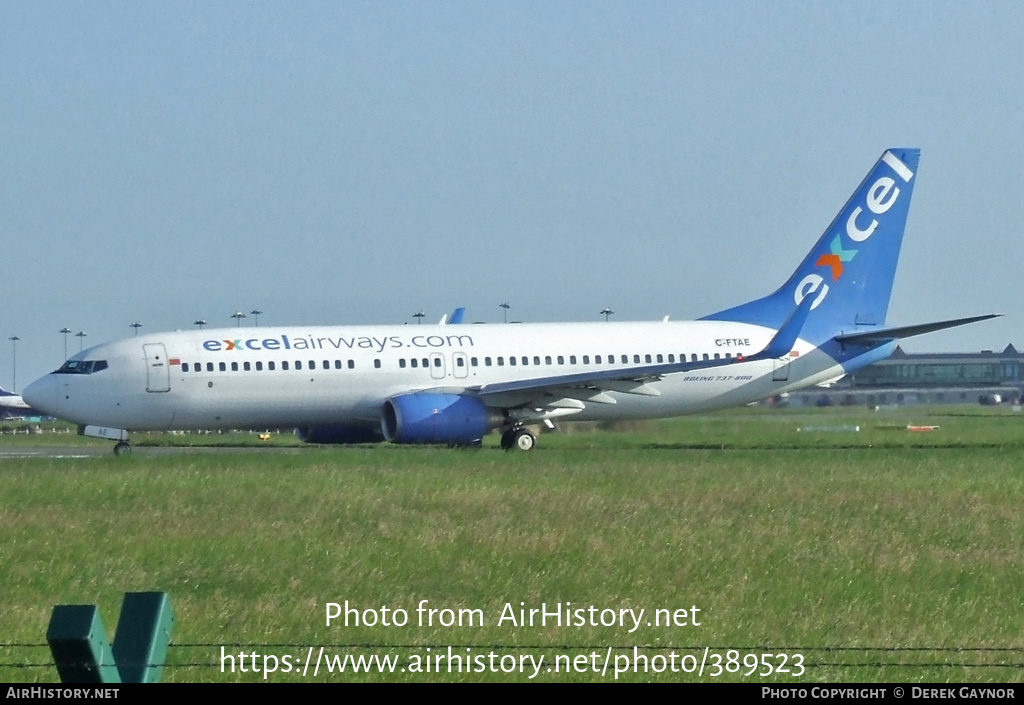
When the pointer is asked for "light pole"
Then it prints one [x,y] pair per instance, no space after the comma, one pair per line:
[65,330]
[419,317]
[81,339]
[256,314]
[201,322]
[238,316]
[136,326]
[506,307]
[607,312]
[14,361]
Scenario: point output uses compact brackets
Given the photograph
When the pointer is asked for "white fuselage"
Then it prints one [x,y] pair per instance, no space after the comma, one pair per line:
[309,376]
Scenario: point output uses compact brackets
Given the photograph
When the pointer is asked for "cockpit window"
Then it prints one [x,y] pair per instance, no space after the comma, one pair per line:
[81,367]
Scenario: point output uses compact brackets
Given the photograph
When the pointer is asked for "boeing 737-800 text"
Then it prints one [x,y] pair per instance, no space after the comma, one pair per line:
[454,384]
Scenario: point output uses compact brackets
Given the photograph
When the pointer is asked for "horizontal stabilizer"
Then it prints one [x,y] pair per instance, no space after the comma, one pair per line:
[886,334]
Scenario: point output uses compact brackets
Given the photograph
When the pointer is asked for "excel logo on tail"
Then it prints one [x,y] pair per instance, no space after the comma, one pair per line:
[879,197]
[836,259]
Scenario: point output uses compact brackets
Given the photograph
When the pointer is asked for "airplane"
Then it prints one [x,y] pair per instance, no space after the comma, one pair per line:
[444,385]
[12,404]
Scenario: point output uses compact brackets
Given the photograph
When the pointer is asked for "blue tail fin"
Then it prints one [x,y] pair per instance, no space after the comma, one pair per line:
[849,272]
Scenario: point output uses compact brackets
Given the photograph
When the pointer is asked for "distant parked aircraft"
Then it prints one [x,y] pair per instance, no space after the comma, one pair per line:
[12,404]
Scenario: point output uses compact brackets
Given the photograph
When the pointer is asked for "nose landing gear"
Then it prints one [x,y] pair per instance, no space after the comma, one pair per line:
[111,434]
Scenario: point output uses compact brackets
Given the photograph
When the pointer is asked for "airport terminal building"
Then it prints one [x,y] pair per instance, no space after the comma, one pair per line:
[931,378]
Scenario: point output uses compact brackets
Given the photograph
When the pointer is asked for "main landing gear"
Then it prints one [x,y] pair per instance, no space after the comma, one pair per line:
[123,448]
[518,438]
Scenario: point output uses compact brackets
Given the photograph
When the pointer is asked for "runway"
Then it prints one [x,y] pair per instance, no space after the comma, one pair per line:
[78,452]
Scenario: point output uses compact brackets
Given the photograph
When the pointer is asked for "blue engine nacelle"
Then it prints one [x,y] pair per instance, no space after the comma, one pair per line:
[339,433]
[430,417]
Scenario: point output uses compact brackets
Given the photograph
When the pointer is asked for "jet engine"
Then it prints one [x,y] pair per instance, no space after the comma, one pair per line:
[431,417]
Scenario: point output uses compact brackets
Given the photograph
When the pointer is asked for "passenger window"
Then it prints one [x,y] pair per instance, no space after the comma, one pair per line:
[223,367]
[625,359]
[184,367]
[337,364]
[376,363]
[512,361]
[209,367]
[284,365]
[597,359]
[437,362]
[259,366]
[572,359]
[414,362]
[706,356]
[660,358]
[586,360]
[298,364]
[547,359]
[561,360]
[327,364]
[671,357]
[473,362]
[270,365]
[459,362]
[526,360]
[246,366]
[501,362]
[234,367]
[716,356]
[401,362]
[647,357]
[351,364]
[536,359]
[487,362]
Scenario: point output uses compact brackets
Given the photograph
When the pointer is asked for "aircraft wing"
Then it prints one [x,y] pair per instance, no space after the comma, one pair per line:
[591,386]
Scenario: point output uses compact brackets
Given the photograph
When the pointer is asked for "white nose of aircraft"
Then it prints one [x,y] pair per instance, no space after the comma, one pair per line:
[43,395]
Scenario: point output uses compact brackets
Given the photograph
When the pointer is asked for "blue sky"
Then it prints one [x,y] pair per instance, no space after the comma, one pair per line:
[348,162]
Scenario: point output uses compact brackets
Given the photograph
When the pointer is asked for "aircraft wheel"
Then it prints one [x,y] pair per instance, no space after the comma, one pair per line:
[122,448]
[523,440]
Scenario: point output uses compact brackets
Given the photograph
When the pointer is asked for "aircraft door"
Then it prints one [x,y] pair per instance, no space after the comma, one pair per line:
[437,370]
[460,365]
[158,372]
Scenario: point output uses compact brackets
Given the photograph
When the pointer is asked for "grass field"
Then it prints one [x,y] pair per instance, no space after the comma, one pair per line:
[876,555]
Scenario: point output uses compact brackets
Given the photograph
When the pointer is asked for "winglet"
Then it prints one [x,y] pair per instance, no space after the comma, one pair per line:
[782,342]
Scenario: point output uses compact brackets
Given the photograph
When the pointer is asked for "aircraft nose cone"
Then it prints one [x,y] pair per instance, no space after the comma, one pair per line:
[41,395]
